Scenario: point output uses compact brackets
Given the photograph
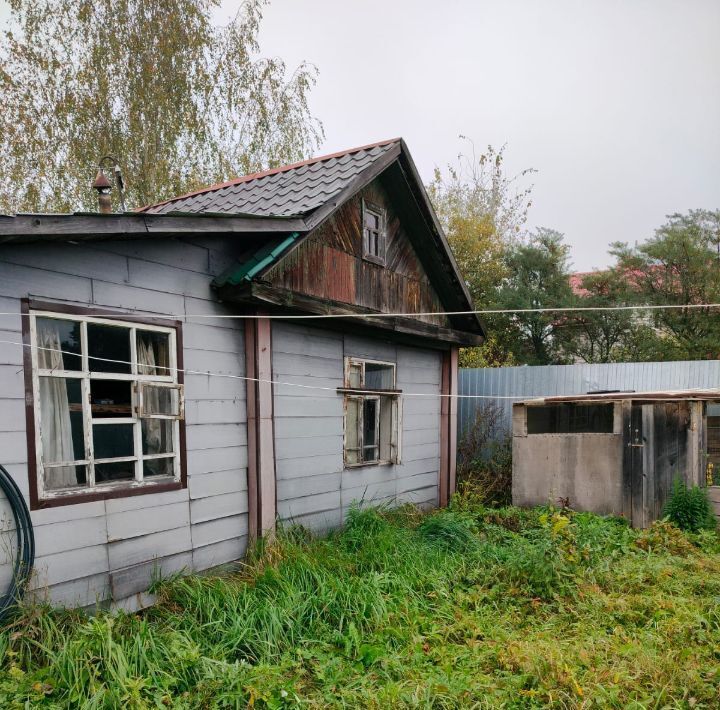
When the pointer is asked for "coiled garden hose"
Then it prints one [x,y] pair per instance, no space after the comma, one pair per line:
[25,556]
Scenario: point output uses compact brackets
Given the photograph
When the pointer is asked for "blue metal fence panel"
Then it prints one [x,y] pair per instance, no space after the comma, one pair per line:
[498,384]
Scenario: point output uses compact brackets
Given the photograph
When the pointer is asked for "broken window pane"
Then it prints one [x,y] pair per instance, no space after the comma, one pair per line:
[112,441]
[110,398]
[61,420]
[59,477]
[114,471]
[153,353]
[157,436]
[58,344]
[109,343]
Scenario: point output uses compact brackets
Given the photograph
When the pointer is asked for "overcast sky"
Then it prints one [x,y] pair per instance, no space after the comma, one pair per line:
[615,102]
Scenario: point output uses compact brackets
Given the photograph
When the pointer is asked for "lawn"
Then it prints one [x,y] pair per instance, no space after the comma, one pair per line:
[467,607]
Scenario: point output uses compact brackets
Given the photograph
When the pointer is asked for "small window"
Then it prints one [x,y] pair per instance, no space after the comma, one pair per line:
[372,413]
[571,418]
[107,401]
[373,220]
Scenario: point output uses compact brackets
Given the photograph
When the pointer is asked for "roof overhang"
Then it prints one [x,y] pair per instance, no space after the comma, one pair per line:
[652,396]
[90,226]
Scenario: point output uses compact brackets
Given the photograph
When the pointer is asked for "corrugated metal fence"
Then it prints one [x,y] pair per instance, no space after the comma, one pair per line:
[526,382]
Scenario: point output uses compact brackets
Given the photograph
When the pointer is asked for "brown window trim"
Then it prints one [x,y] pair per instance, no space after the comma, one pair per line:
[121,491]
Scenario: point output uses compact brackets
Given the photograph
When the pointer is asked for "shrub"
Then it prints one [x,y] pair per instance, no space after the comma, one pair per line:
[690,508]
[485,458]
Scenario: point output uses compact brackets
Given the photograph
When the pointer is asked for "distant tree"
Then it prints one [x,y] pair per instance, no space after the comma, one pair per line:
[680,266]
[483,211]
[600,336]
[537,277]
[179,101]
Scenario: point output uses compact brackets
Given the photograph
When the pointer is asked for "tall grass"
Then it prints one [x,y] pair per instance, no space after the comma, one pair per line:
[466,607]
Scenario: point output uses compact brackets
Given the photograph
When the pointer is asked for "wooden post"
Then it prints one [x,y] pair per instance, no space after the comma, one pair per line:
[448,425]
[262,504]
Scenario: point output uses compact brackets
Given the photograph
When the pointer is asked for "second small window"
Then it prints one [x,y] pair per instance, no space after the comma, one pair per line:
[372,413]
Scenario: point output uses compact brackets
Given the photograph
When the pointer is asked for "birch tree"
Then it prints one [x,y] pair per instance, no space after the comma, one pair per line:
[179,101]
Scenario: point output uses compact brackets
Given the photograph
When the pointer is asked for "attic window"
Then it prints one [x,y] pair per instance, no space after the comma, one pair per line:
[374,237]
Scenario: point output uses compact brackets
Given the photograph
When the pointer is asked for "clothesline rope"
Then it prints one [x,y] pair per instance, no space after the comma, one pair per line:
[208,373]
[484,311]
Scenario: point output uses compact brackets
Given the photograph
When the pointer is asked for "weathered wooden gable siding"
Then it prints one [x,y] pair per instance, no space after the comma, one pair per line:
[330,264]
[90,551]
[313,487]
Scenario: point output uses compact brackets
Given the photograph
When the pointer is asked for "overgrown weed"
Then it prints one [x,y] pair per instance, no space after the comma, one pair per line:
[466,607]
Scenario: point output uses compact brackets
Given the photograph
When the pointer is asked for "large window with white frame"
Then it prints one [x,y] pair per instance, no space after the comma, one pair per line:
[372,413]
[107,404]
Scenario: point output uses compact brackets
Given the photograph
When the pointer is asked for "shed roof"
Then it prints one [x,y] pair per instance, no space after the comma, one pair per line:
[655,395]
[290,190]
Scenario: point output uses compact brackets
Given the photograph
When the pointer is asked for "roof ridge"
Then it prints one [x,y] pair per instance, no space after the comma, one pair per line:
[267,173]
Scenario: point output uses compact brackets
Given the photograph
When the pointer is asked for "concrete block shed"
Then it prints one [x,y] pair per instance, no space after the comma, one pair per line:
[151,429]
[612,453]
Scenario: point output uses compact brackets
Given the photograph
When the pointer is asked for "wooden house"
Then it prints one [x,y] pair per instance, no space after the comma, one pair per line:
[153,429]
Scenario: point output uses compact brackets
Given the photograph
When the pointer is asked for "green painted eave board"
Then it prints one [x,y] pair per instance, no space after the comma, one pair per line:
[256,263]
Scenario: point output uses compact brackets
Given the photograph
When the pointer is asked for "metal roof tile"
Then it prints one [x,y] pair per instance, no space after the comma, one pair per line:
[290,190]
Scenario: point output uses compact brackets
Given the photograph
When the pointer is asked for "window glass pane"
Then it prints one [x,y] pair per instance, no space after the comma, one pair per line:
[110,398]
[113,441]
[53,336]
[115,471]
[369,423]
[570,418]
[58,477]
[153,353]
[354,375]
[352,443]
[157,436]
[159,467]
[111,343]
[386,423]
[160,400]
[61,420]
[379,377]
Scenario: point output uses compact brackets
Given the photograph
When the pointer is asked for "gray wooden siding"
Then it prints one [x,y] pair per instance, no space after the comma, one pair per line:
[313,488]
[87,552]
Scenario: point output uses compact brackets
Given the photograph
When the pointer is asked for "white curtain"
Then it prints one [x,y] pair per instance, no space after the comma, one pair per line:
[55,425]
[147,366]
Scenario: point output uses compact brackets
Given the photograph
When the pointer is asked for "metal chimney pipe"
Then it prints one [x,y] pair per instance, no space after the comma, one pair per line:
[103,187]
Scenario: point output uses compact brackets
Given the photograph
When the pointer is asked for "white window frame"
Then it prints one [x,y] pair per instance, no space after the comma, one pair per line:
[361,394]
[86,376]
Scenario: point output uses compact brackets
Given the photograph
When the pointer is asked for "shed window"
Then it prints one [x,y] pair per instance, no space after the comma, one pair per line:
[570,418]
[107,401]
[373,219]
[372,413]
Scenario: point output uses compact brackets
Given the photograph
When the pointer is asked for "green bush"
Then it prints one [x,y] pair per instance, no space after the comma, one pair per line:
[690,508]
